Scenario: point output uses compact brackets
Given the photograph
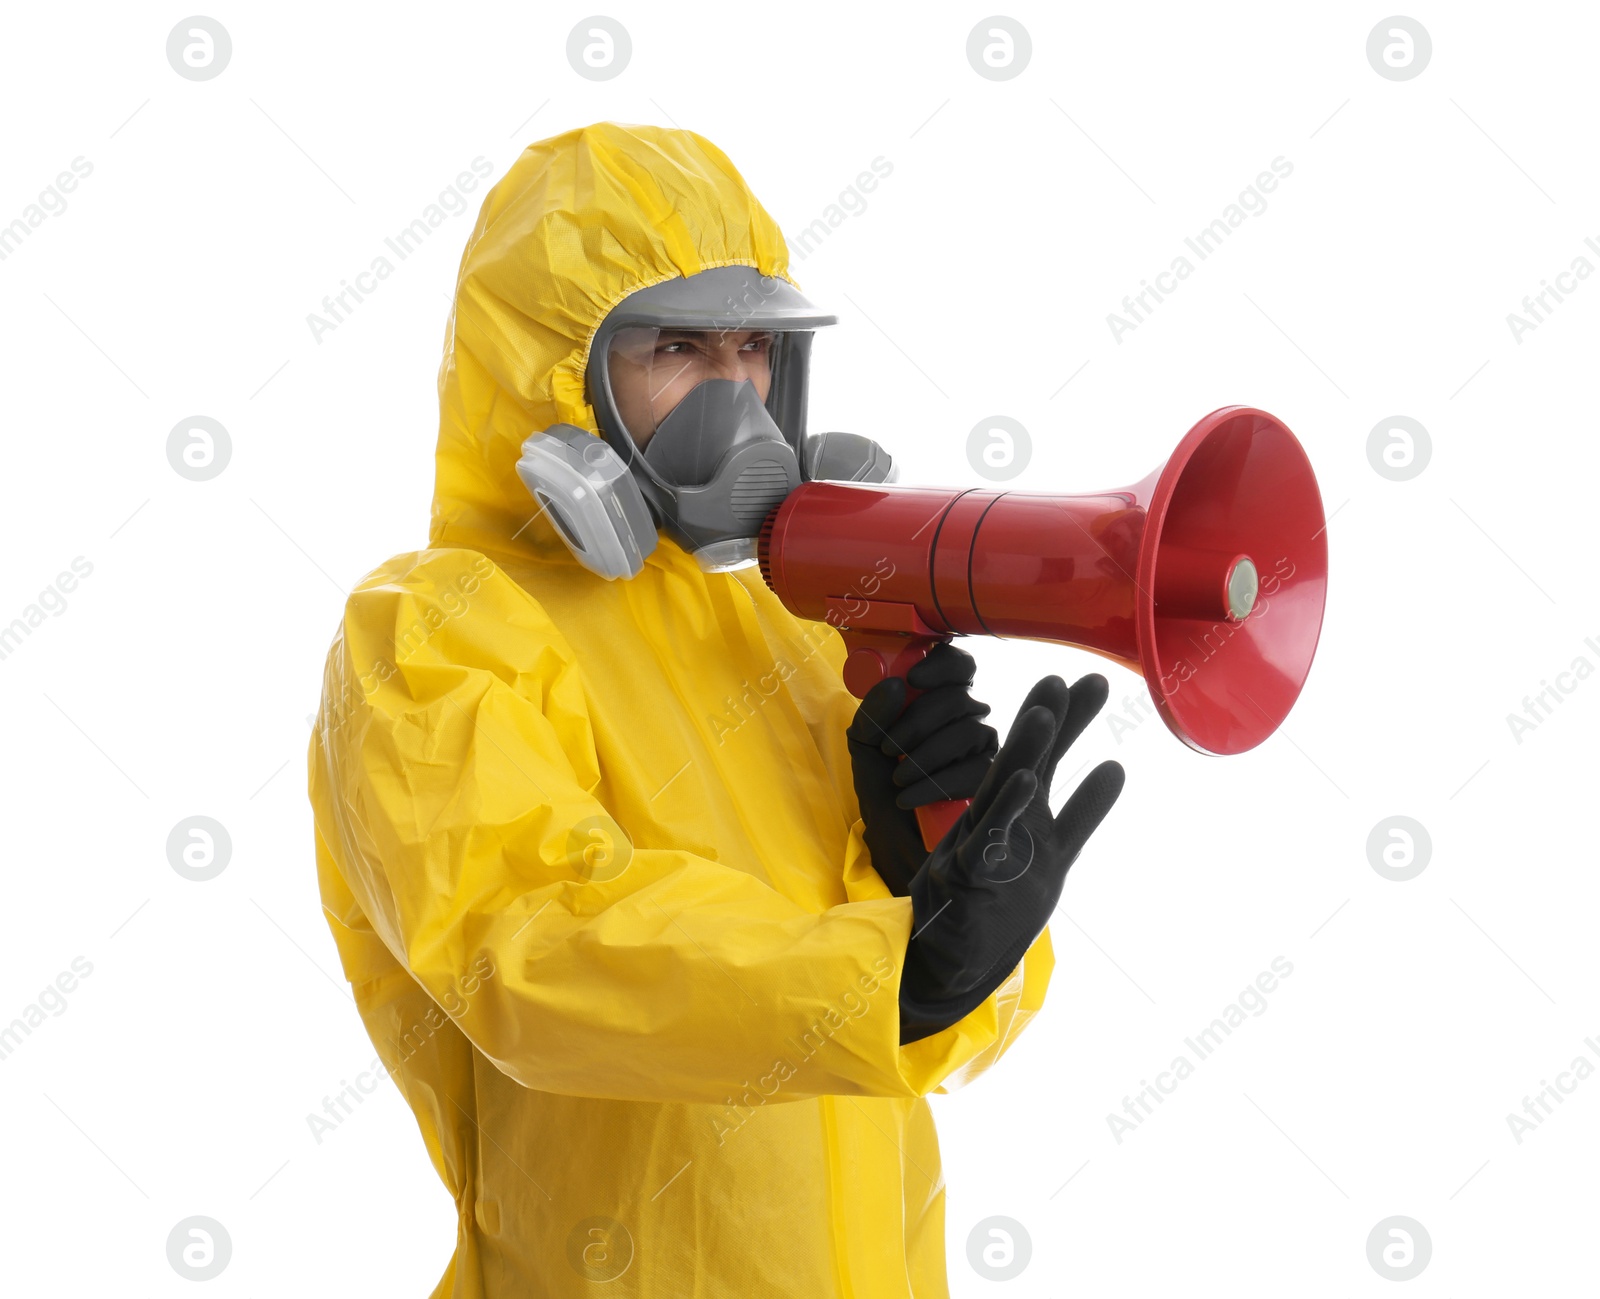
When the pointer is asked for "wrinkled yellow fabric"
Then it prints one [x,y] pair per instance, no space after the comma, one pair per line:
[677,1058]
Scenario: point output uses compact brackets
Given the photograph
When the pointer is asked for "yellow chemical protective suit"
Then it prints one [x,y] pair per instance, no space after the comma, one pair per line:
[590,850]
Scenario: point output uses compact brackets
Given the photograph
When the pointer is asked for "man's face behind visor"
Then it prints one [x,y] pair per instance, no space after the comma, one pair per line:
[652,370]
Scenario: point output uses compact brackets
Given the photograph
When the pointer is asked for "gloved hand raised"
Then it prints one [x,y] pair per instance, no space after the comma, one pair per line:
[987,890]
[949,749]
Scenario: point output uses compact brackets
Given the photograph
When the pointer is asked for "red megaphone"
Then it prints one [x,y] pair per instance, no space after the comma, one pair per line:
[1208,577]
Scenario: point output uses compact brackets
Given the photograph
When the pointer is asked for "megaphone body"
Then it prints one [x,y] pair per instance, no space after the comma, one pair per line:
[1208,577]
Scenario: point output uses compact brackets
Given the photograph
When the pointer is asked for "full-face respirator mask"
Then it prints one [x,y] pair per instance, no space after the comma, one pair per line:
[698,386]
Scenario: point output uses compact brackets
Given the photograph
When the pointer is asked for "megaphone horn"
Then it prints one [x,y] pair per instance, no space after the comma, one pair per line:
[1208,577]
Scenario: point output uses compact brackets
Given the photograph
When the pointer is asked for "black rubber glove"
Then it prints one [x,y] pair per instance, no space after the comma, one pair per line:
[990,886]
[949,749]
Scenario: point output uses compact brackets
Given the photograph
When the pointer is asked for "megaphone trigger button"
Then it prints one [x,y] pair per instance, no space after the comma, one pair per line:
[863,669]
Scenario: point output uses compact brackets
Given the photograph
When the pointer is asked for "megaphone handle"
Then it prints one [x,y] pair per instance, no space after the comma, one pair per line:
[935,819]
[870,657]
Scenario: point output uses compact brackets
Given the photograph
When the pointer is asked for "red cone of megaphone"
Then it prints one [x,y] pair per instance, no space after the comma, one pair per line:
[1208,576]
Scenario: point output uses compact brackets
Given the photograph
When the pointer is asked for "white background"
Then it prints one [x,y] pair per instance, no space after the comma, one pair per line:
[179,678]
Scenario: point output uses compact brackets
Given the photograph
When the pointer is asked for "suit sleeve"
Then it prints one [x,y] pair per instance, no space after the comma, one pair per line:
[444,782]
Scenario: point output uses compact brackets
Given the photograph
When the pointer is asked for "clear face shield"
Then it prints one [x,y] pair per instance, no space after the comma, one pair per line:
[652,370]
[698,403]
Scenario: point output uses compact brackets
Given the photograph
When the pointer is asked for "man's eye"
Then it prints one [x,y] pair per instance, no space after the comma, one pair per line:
[760,344]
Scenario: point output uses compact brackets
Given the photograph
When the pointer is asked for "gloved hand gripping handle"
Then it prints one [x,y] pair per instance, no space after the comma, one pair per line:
[996,862]
[872,655]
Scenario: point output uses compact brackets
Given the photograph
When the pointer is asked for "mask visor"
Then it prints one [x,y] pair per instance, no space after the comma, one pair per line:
[652,370]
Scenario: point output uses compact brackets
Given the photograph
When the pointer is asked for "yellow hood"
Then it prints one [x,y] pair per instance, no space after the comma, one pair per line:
[538,276]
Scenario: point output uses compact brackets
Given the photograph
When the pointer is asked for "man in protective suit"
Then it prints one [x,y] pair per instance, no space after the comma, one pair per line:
[629,889]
